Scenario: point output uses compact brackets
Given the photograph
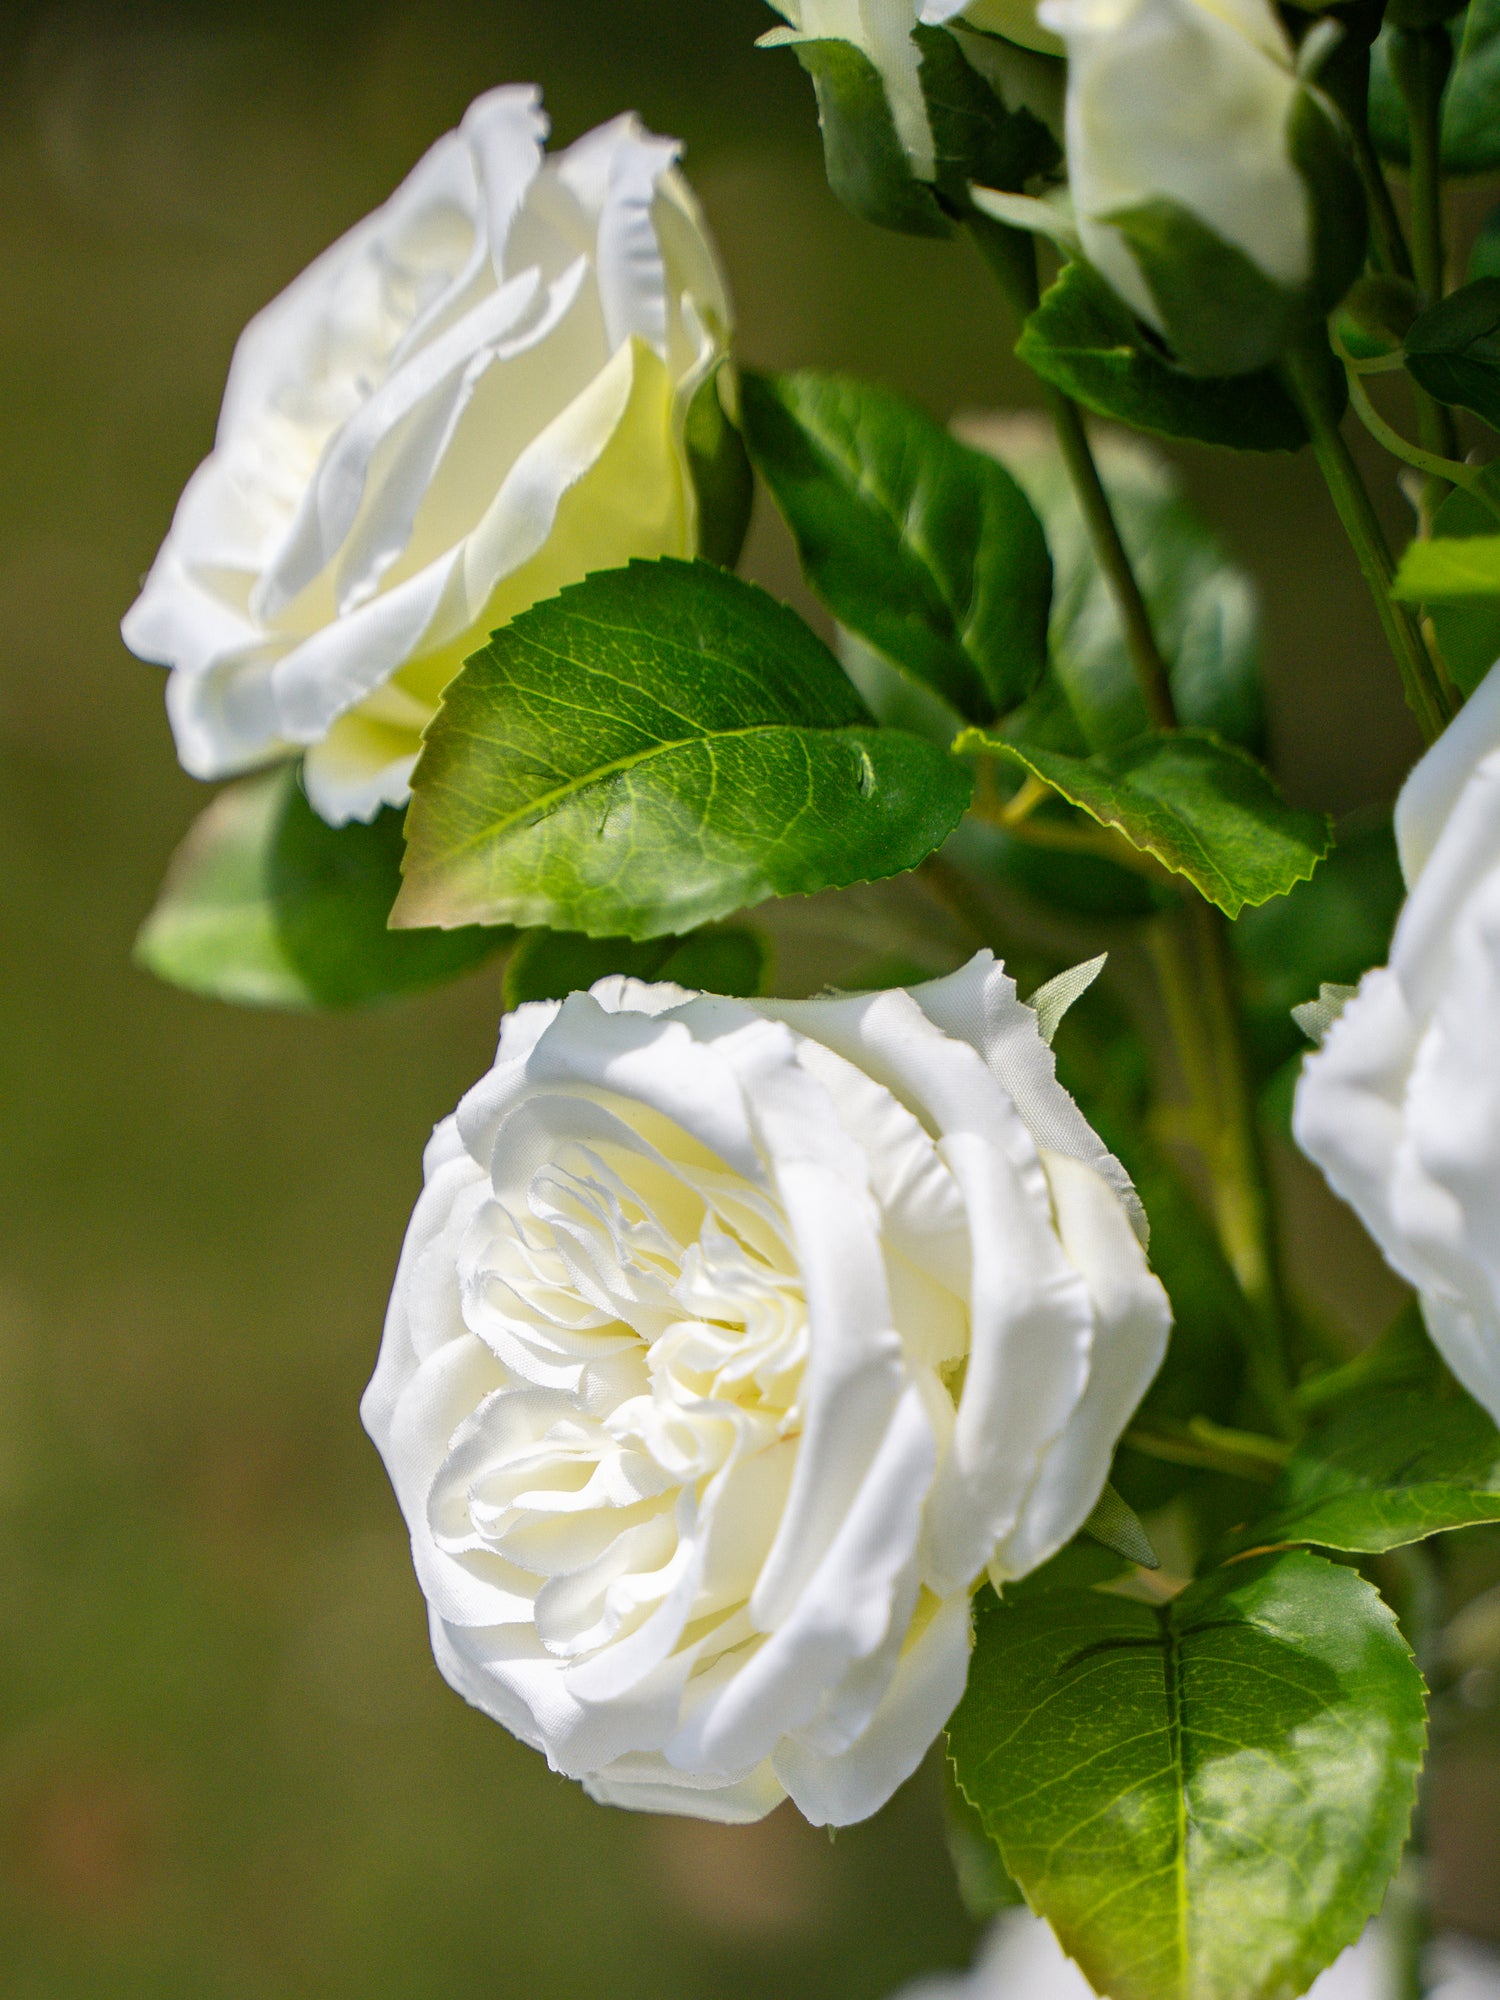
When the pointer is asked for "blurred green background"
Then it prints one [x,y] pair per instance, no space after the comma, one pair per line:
[227,1764]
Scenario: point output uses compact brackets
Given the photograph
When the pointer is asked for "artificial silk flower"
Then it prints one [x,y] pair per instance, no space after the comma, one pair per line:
[732,1344]
[476,396]
[1184,118]
[1400,1106]
[1022,1960]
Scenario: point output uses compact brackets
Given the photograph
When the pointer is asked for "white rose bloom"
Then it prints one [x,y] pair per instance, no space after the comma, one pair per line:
[1189,102]
[732,1342]
[1022,1960]
[1401,1105]
[474,398]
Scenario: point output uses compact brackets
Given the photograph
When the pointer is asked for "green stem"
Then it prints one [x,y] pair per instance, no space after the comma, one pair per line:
[1214,1447]
[1016,273]
[1191,947]
[1421,59]
[1453,471]
[1425,695]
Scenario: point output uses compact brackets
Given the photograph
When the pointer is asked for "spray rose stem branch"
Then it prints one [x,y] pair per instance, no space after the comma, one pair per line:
[1195,967]
[1190,946]
[1304,369]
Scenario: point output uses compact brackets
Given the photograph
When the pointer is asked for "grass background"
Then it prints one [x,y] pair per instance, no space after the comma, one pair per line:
[228,1768]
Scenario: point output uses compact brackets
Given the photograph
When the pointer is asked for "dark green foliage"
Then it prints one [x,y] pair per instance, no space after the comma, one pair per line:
[1453,349]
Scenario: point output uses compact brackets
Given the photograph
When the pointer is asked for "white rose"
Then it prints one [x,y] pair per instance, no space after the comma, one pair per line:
[1022,1960]
[882,31]
[1401,1105]
[1193,103]
[474,398]
[731,1343]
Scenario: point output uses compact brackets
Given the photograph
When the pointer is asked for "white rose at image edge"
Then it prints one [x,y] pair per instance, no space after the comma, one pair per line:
[474,398]
[1022,1960]
[1401,1105]
[732,1342]
[1178,100]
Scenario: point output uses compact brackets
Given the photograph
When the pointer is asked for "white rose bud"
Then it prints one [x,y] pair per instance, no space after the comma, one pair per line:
[1188,132]
[474,398]
[1401,1105]
[732,1342]
[1022,1960]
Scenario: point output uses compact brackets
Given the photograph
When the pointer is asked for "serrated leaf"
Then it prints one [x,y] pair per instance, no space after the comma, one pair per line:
[267,906]
[1203,608]
[927,549]
[1388,1470]
[1448,567]
[1205,1798]
[650,750]
[1084,339]
[1471,101]
[549,965]
[1202,808]
[1453,349]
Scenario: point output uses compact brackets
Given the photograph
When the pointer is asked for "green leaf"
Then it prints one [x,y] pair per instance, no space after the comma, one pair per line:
[549,965]
[1203,609]
[983,1885]
[266,905]
[1207,1798]
[1085,340]
[1453,349]
[863,155]
[1468,629]
[1203,808]
[1471,103]
[927,549]
[1386,1471]
[722,478]
[652,749]
[1449,568]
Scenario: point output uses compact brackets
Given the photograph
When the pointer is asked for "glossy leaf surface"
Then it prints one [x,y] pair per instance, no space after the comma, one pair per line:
[1202,808]
[648,751]
[927,549]
[1205,1798]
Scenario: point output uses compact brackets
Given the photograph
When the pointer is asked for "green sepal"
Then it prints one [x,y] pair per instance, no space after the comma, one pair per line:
[866,163]
[549,965]
[1205,1798]
[1222,314]
[720,466]
[1085,340]
[976,138]
[650,750]
[1388,1470]
[266,905]
[1201,807]
[1323,155]
[1453,349]
[927,549]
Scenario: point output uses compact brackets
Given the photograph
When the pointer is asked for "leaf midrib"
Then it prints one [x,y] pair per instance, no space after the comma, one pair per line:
[560,794]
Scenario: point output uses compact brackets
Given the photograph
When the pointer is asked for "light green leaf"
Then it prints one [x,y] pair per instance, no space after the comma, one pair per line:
[1468,629]
[1203,808]
[652,749]
[1085,340]
[1453,349]
[1207,1798]
[1203,609]
[267,906]
[1448,567]
[1386,1471]
[927,549]
[549,965]
[1471,102]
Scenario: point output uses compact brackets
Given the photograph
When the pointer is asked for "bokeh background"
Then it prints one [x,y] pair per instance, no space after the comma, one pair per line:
[228,1768]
